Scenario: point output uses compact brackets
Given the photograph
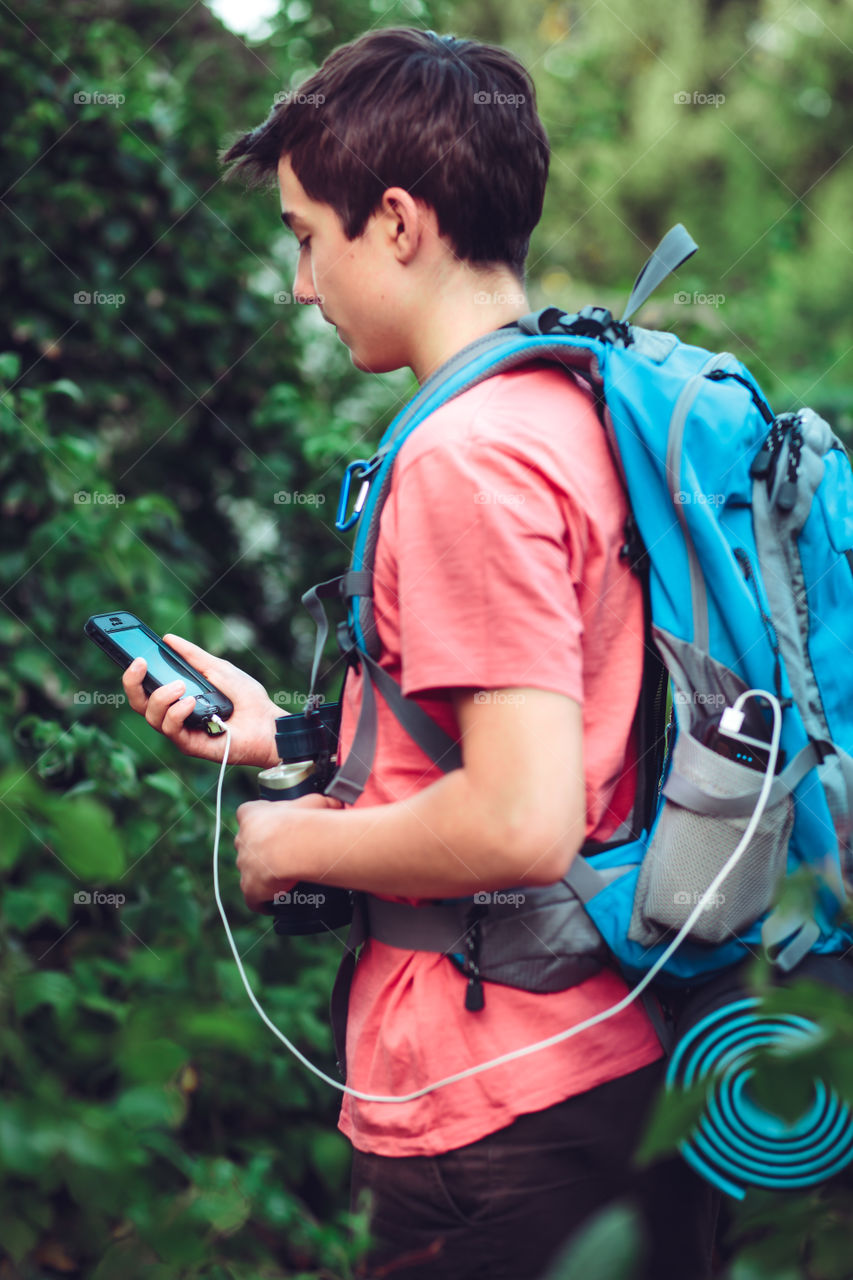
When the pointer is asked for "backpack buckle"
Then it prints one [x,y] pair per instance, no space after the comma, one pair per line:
[633,549]
[347,644]
[598,322]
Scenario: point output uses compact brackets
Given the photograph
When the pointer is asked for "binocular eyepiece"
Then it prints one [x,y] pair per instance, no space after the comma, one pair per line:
[306,745]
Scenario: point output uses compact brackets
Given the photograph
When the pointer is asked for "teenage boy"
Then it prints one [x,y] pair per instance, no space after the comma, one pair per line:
[412,169]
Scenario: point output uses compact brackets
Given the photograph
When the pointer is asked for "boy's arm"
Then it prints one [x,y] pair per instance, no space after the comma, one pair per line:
[514,814]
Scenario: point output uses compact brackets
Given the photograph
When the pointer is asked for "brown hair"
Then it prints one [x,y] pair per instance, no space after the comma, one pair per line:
[452,121]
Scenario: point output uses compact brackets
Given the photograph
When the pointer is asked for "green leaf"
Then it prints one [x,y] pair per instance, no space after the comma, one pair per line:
[675,1115]
[18,786]
[18,1237]
[148,1106]
[10,365]
[177,1242]
[47,896]
[610,1247]
[128,1260]
[65,387]
[86,1147]
[225,1027]
[168,783]
[16,836]
[27,907]
[46,987]
[331,1156]
[152,1061]
[28,1139]
[225,1210]
[86,840]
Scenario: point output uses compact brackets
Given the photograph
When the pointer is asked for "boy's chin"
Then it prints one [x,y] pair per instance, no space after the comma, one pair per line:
[374,363]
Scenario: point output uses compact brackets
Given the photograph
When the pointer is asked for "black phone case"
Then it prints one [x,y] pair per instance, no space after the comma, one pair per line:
[213,702]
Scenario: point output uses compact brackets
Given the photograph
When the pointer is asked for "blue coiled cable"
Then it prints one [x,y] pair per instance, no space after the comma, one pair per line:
[737,1144]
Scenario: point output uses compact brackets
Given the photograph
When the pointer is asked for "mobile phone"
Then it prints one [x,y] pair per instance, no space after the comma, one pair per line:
[123,637]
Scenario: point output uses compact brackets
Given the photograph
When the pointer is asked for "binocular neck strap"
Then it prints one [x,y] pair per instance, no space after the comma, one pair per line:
[351,778]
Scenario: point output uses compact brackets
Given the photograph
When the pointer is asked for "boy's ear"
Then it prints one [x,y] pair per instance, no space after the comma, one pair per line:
[407,222]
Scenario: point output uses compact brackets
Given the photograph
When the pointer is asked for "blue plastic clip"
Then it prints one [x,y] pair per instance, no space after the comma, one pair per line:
[365,469]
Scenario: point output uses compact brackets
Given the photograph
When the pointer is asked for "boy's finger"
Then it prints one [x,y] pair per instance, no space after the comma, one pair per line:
[176,714]
[161,700]
[131,679]
[193,654]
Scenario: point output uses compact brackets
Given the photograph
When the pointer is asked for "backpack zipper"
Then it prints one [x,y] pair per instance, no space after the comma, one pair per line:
[717,375]
[742,557]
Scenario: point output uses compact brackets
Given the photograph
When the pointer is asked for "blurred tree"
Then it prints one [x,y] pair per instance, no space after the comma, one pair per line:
[171,437]
[731,116]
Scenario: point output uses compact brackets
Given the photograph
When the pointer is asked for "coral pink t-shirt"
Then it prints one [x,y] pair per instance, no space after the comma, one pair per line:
[497,566]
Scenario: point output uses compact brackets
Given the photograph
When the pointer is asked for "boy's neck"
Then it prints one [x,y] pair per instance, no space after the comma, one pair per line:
[466,307]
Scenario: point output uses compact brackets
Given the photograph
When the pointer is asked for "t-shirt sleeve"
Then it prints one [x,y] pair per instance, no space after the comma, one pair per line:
[487,553]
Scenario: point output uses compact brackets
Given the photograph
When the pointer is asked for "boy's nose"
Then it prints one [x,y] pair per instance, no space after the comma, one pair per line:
[303,287]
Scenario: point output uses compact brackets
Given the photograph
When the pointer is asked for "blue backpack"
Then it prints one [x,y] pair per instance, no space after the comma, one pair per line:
[741,529]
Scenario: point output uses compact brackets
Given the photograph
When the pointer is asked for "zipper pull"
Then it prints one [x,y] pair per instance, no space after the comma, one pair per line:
[763,460]
[787,496]
[475,998]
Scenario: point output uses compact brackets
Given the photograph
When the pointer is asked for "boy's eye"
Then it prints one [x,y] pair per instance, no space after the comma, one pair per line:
[302,243]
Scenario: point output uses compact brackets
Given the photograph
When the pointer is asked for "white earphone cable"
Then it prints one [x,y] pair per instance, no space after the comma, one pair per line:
[622,1004]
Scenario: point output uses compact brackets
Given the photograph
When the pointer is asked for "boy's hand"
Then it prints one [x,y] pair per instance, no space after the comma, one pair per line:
[252,723]
[268,844]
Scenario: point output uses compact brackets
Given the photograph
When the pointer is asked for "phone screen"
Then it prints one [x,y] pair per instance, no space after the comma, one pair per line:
[139,645]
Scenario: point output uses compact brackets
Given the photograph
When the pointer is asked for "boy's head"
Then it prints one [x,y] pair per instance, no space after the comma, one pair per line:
[450,121]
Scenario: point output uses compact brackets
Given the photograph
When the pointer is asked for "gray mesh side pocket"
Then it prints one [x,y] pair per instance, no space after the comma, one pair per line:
[688,849]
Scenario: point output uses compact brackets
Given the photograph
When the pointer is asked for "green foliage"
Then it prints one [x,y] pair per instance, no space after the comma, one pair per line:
[609,1247]
[154,401]
[157,406]
[732,117]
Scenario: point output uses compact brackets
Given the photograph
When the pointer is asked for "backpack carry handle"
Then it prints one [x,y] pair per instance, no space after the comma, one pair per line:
[676,247]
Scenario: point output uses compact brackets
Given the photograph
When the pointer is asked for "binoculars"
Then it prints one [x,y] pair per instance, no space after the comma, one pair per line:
[306,746]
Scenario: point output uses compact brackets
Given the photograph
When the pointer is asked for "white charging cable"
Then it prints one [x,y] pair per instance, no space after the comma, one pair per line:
[733,723]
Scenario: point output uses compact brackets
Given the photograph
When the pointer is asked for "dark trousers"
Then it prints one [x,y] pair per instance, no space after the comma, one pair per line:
[501,1208]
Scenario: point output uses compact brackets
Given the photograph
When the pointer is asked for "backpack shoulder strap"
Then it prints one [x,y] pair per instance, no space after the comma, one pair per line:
[496,353]
[580,343]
